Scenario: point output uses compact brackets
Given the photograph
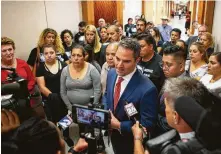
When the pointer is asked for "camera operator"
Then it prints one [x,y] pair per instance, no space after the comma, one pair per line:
[173,89]
[33,136]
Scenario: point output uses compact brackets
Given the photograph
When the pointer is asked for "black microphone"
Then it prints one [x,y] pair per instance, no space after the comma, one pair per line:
[189,110]
[10,88]
[131,112]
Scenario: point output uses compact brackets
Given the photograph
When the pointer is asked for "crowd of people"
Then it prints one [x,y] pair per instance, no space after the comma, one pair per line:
[150,67]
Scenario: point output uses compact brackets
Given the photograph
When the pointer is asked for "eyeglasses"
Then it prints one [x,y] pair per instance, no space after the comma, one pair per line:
[167,66]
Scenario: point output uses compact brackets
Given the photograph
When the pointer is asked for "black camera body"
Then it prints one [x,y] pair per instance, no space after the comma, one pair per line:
[162,142]
[15,95]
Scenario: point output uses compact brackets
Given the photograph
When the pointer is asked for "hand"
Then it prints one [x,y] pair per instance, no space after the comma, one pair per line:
[115,123]
[81,145]
[10,120]
[137,131]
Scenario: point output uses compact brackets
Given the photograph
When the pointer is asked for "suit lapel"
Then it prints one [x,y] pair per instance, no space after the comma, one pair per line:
[131,86]
[113,80]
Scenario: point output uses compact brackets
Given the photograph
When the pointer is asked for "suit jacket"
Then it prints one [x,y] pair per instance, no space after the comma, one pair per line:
[141,92]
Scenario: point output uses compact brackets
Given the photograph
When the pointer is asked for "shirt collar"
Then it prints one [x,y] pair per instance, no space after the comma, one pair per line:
[149,61]
[188,135]
[128,76]
[182,75]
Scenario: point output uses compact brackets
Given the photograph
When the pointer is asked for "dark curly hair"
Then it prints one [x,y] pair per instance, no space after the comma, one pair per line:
[64,32]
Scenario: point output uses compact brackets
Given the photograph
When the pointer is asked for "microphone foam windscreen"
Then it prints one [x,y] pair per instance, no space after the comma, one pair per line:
[189,110]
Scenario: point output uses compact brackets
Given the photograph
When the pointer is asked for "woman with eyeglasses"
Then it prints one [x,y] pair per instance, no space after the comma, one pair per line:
[212,80]
[207,40]
[197,65]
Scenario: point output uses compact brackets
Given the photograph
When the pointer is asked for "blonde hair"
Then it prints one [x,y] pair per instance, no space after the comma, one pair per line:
[210,38]
[97,44]
[58,43]
[8,41]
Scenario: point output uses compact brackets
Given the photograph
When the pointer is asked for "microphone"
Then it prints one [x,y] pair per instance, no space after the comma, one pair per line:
[10,88]
[189,110]
[131,112]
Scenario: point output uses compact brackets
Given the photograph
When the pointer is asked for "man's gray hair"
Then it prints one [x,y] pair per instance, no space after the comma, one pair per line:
[185,86]
[131,44]
[116,28]
[114,45]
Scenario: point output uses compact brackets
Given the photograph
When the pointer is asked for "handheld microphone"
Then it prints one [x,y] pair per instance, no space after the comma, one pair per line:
[131,112]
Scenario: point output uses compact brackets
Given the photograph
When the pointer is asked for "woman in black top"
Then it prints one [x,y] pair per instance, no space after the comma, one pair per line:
[48,37]
[90,57]
[48,79]
[67,40]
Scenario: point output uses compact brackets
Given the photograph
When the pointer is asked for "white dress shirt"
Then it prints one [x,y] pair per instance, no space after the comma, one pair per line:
[187,136]
[125,81]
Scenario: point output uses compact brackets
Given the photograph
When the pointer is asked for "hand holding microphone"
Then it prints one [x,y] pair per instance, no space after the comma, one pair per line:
[137,131]
[131,112]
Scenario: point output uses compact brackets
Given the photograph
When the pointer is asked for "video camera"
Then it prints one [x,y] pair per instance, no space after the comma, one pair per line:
[94,119]
[15,95]
[206,123]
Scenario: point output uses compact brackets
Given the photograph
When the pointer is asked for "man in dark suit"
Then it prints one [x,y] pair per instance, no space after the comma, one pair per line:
[202,29]
[126,83]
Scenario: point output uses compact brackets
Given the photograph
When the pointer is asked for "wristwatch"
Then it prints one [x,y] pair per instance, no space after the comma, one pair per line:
[71,150]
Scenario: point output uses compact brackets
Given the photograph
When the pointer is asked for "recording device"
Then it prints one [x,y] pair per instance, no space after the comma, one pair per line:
[158,144]
[131,112]
[206,126]
[94,119]
[15,95]
[65,122]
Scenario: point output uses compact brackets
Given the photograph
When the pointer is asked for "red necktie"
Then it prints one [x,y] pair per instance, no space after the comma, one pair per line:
[117,91]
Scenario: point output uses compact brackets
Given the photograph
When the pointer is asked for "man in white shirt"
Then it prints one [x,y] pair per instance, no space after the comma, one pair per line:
[126,84]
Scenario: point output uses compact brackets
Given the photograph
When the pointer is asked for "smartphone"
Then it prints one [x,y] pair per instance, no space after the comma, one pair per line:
[65,122]
[97,118]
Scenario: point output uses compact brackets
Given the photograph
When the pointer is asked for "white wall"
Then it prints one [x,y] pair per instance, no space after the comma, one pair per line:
[131,9]
[217,25]
[23,21]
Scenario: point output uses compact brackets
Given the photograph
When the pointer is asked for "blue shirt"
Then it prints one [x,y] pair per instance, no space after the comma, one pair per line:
[165,32]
